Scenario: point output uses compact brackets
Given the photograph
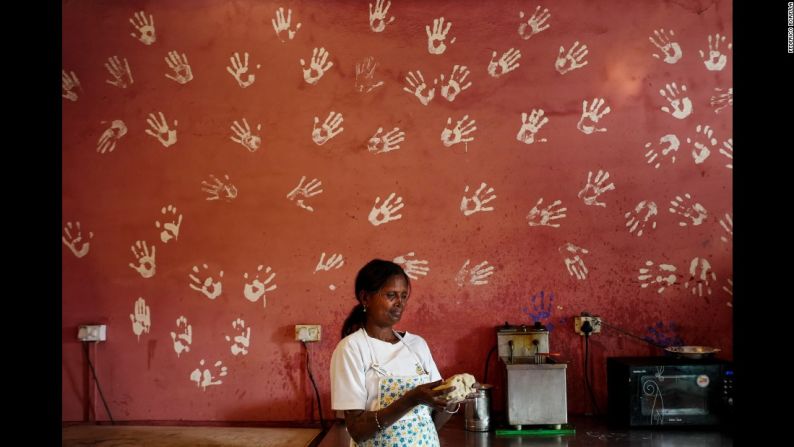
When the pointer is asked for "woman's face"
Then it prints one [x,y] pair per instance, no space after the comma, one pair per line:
[386,306]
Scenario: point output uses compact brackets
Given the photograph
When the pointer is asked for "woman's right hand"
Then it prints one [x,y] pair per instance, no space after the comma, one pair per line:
[425,394]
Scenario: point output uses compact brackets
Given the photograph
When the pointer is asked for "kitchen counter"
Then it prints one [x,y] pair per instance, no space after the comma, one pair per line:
[589,431]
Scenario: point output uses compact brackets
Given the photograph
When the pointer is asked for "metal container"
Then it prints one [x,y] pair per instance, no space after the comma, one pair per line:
[536,394]
[478,410]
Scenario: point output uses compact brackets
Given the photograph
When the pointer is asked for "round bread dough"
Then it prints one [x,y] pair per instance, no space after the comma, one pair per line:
[463,386]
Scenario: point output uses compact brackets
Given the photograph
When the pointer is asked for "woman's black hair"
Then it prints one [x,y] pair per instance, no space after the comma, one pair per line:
[370,279]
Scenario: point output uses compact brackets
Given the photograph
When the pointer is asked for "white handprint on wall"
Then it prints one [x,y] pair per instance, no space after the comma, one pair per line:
[205,378]
[243,136]
[682,206]
[217,187]
[728,289]
[381,143]
[282,25]
[170,229]
[305,191]
[180,66]
[535,24]
[594,188]
[714,59]
[107,141]
[701,150]
[680,105]
[238,69]
[419,87]
[727,150]
[146,262]
[699,274]
[476,276]
[475,203]
[145,28]
[141,318]
[451,89]
[727,225]
[241,342]
[721,100]
[73,238]
[573,261]
[329,129]
[377,18]
[413,268]
[505,64]
[183,339]
[572,59]
[386,211]
[209,287]
[671,142]
[590,117]
[318,66]
[160,130]
[664,276]
[258,288]
[335,261]
[122,76]
[69,83]
[435,39]
[531,126]
[546,216]
[459,133]
[637,219]
[669,49]
[365,75]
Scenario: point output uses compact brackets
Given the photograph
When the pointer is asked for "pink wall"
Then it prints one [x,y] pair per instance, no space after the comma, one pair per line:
[118,195]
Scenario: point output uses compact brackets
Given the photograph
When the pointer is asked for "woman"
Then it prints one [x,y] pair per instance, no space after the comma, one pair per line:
[383,380]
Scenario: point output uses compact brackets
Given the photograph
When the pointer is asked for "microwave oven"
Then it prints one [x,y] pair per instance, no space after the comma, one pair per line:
[669,391]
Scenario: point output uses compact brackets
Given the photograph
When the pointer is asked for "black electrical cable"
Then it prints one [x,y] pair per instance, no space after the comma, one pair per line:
[632,335]
[487,361]
[91,365]
[314,384]
[586,378]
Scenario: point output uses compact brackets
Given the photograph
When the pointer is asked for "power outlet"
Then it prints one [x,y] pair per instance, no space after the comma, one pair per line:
[307,332]
[92,332]
[595,323]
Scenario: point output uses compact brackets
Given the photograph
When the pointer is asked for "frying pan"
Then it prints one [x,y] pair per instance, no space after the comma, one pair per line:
[692,352]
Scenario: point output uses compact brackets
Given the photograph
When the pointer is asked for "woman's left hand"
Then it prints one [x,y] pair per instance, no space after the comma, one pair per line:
[425,394]
[443,401]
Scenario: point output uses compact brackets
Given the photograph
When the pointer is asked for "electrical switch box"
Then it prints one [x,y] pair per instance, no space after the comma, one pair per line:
[307,332]
[595,324]
[92,332]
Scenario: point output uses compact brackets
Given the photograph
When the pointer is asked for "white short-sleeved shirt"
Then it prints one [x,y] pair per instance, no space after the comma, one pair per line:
[354,385]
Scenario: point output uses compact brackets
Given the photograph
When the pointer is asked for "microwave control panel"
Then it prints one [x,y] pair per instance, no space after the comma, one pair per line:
[727,389]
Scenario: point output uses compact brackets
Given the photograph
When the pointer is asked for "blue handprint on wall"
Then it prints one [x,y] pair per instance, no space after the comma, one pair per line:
[540,308]
[665,336]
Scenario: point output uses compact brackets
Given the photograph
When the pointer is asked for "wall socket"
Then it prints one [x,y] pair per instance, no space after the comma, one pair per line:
[307,332]
[595,323]
[92,332]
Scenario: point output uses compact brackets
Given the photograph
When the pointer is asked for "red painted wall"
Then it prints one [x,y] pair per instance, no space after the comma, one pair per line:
[118,196]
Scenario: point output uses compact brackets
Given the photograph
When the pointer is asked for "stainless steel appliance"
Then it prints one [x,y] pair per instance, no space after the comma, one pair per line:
[536,389]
